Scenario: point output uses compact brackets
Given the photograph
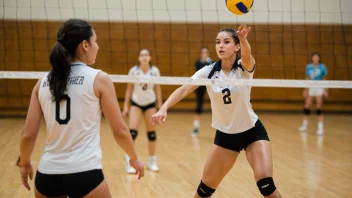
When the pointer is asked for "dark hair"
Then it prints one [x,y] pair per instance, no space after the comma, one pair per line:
[234,36]
[316,54]
[204,47]
[71,33]
[139,53]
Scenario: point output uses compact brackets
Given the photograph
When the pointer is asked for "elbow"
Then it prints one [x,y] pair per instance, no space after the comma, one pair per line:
[121,132]
[28,137]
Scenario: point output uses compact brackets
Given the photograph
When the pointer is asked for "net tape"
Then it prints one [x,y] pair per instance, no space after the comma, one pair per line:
[187,80]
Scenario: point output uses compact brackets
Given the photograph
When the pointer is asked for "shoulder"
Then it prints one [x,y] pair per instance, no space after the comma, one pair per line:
[309,65]
[133,69]
[90,70]
[211,69]
[154,71]
[154,68]
[102,78]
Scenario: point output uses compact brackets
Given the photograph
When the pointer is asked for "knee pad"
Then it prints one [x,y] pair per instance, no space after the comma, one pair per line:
[134,133]
[151,135]
[266,186]
[204,191]
[319,112]
[306,111]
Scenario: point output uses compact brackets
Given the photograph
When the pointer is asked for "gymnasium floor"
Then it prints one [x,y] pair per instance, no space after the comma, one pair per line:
[304,165]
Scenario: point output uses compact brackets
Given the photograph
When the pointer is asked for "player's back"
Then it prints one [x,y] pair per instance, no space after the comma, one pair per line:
[73,125]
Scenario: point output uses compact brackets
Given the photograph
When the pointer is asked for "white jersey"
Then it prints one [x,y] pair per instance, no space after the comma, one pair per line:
[231,108]
[73,125]
[143,94]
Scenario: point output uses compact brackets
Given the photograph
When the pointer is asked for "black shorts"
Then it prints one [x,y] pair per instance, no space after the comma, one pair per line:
[74,185]
[239,141]
[145,107]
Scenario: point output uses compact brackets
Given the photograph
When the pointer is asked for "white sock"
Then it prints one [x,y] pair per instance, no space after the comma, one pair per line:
[320,124]
[127,157]
[305,122]
[152,158]
[196,124]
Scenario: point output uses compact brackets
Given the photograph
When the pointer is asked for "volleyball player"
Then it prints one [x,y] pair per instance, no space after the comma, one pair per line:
[200,91]
[237,126]
[70,98]
[144,98]
[315,71]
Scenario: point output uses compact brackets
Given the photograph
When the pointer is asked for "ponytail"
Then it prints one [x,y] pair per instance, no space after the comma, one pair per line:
[71,33]
[61,68]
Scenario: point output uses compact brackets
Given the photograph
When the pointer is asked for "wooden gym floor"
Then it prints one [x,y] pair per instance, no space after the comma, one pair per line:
[305,165]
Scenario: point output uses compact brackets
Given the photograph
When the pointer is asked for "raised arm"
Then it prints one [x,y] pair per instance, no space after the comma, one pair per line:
[248,61]
[105,90]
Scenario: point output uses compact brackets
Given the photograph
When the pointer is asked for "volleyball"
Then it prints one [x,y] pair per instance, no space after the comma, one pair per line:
[239,7]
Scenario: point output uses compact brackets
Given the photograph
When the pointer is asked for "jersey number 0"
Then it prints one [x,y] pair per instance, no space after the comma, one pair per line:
[145,87]
[68,111]
[227,96]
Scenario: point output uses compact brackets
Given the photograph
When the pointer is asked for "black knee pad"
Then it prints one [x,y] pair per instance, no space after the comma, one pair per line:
[266,186]
[319,112]
[306,111]
[151,135]
[134,133]
[204,191]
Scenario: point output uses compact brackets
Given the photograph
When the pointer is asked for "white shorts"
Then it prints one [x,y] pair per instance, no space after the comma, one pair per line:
[316,91]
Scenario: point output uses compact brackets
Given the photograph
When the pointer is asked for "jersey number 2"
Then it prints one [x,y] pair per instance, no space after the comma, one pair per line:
[227,96]
[68,111]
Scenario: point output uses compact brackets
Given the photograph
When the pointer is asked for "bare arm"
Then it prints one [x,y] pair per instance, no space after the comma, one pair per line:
[104,89]
[178,95]
[31,128]
[128,95]
[175,97]
[159,98]
[248,61]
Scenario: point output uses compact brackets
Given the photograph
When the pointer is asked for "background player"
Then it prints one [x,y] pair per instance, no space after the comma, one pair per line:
[237,126]
[315,71]
[71,98]
[200,91]
[143,98]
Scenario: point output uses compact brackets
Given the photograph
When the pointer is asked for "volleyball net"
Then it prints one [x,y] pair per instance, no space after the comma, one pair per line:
[190,81]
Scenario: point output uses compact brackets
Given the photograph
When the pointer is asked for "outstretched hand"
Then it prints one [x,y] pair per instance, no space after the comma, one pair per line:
[159,117]
[243,31]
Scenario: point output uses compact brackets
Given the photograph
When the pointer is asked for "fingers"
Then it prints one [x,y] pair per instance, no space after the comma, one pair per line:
[157,119]
[141,171]
[25,183]
[31,176]
[153,120]
[243,29]
[240,28]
